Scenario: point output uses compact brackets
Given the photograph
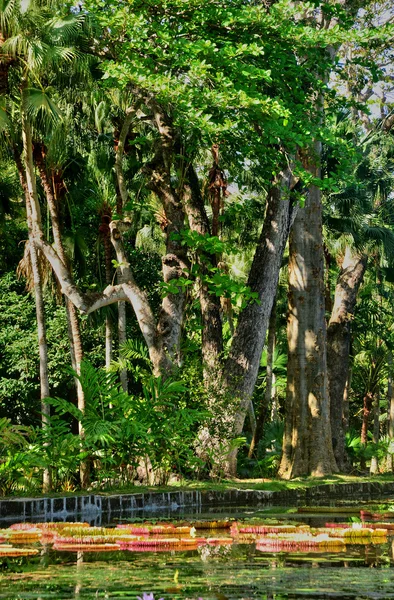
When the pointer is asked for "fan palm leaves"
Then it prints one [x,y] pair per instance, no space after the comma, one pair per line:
[361,213]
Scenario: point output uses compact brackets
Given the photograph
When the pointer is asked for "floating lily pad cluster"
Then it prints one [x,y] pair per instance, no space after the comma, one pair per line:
[334,537]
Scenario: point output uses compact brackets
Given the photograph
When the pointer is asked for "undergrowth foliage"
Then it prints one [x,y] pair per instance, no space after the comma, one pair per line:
[147,436]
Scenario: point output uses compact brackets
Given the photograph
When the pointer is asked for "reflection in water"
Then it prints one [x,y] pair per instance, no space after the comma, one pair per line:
[210,572]
[79,563]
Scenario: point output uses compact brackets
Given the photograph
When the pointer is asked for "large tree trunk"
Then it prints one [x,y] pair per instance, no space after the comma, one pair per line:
[307,445]
[241,367]
[338,346]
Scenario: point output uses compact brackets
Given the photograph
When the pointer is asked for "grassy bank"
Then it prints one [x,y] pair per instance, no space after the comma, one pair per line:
[274,485]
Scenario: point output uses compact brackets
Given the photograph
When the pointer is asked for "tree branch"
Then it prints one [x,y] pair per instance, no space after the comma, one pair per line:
[130,114]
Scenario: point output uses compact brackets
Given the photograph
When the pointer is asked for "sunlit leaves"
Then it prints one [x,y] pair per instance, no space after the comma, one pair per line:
[40,106]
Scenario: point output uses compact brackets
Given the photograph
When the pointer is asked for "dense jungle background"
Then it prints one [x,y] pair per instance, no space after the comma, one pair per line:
[196,241]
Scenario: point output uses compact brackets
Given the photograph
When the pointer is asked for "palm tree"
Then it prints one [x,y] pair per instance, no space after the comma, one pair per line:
[360,217]
[35,42]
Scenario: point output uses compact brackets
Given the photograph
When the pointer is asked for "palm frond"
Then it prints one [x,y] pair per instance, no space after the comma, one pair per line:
[379,234]
[8,12]
[65,407]
[135,350]
[40,106]
[14,46]
[65,30]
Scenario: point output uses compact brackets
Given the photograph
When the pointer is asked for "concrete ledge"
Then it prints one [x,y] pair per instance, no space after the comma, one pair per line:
[91,507]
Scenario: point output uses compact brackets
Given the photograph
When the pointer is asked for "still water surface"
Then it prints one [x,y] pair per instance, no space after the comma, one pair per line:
[238,572]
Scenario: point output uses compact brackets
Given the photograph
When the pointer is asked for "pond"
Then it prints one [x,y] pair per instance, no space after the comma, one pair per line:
[256,554]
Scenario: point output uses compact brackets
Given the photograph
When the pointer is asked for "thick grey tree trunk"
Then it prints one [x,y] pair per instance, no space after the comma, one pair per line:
[338,347]
[241,367]
[307,445]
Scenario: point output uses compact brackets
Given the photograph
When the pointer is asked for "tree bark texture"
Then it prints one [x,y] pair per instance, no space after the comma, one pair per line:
[106,216]
[76,349]
[122,322]
[374,467]
[40,317]
[264,407]
[307,445]
[338,346]
[212,338]
[241,367]
[122,337]
[367,407]
[390,411]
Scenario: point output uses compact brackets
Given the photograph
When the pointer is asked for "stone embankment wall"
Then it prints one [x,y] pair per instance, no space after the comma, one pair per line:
[93,507]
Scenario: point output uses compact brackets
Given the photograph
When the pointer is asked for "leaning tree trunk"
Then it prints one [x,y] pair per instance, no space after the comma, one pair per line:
[241,367]
[338,346]
[307,445]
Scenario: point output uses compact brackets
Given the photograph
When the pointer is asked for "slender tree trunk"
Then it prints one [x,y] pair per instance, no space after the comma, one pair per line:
[346,395]
[390,411]
[43,352]
[109,341]
[307,445]
[39,300]
[374,467]
[338,346]
[274,400]
[264,407]
[241,367]
[212,338]
[76,349]
[175,262]
[122,337]
[109,335]
[367,407]
[121,203]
